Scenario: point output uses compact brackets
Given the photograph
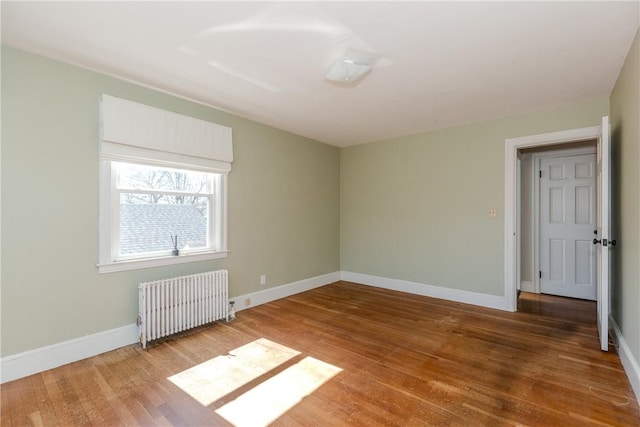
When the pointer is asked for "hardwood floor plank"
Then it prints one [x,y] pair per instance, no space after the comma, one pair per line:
[10,402]
[47,413]
[398,360]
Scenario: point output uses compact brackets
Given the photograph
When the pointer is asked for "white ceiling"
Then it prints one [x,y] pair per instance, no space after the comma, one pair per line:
[440,64]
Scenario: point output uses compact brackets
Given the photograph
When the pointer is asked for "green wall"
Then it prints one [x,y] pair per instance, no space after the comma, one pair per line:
[416,208]
[283,205]
[625,125]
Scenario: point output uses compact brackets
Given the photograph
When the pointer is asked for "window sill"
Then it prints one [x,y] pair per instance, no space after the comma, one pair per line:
[135,264]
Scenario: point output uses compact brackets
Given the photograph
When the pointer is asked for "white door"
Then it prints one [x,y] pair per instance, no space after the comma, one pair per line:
[567,224]
[603,241]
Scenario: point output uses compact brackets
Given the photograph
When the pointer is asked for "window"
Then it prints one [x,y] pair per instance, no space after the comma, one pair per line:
[157,213]
[162,210]
[163,187]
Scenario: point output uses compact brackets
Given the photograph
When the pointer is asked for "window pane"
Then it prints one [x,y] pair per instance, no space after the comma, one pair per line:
[147,222]
[142,177]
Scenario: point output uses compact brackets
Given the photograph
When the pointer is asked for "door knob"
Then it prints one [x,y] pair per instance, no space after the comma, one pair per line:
[604,242]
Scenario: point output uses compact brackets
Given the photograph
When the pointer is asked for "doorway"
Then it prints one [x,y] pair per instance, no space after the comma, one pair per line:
[513,148]
[603,242]
[557,220]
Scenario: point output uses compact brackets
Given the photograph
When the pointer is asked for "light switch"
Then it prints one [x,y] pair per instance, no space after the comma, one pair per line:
[492,213]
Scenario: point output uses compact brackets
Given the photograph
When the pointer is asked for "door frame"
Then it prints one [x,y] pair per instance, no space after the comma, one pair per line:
[536,229]
[511,195]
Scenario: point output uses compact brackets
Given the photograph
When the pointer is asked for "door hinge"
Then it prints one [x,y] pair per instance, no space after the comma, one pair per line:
[540,274]
[540,173]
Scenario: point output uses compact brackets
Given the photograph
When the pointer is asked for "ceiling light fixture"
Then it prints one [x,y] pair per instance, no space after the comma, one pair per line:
[346,71]
[351,67]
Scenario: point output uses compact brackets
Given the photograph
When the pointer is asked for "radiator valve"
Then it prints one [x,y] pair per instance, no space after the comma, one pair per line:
[232,311]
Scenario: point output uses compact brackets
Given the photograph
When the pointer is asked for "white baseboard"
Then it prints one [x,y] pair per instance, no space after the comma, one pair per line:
[283,291]
[629,363]
[527,286]
[40,359]
[483,300]
[34,361]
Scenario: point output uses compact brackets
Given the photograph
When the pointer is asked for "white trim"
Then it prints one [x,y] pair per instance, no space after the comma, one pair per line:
[551,138]
[134,264]
[566,152]
[283,291]
[526,286]
[109,259]
[483,300]
[629,363]
[632,369]
[512,145]
[519,213]
[40,359]
[535,222]
[222,214]
[510,221]
[535,233]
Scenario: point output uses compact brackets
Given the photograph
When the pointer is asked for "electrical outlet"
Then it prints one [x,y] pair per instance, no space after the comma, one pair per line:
[263,279]
[247,302]
[492,213]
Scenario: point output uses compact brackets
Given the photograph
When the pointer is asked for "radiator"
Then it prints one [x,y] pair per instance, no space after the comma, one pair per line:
[174,305]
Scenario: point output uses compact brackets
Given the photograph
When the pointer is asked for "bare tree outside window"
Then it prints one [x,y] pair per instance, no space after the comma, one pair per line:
[184,186]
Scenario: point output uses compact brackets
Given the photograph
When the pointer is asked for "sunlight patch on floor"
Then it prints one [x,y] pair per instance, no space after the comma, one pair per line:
[270,399]
[217,377]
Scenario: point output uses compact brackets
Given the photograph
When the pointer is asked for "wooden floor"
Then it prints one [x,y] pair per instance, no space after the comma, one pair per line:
[348,354]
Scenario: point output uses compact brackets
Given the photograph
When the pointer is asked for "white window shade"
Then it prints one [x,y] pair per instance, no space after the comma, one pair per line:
[130,130]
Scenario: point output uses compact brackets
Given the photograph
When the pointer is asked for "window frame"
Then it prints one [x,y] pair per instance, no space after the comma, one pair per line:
[109,257]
